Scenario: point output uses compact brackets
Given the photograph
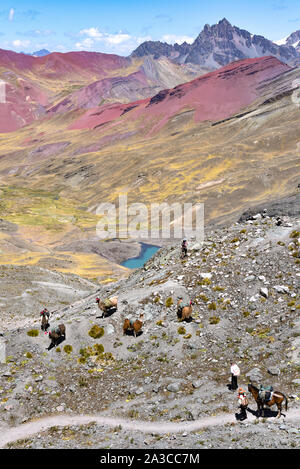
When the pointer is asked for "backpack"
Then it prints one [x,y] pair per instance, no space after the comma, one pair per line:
[243,400]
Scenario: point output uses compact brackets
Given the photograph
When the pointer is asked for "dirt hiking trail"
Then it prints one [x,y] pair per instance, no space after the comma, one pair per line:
[36,426]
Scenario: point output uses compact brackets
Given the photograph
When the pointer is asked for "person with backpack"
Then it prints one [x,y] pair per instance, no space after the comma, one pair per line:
[184,248]
[243,403]
[235,372]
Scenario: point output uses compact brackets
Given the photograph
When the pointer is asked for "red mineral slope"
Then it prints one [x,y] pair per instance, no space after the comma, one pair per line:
[126,88]
[214,96]
[31,82]
[96,117]
[23,103]
[58,65]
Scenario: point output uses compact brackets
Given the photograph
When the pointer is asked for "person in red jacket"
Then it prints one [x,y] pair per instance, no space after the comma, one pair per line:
[243,403]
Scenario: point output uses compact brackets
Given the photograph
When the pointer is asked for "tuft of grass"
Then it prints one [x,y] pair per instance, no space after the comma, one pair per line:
[181,330]
[33,333]
[187,336]
[82,382]
[169,302]
[212,306]
[96,332]
[68,349]
[99,349]
[28,355]
[295,234]
[203,297]
[214,320]
[217,288]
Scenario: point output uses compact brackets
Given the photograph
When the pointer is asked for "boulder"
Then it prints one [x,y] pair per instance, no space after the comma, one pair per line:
[264,292]
[173,387]
[254,375]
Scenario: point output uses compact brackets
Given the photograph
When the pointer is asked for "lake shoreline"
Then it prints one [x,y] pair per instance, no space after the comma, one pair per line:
[142,258]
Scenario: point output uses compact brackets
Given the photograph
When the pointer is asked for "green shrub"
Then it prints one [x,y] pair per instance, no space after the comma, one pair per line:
[203,297]
[295,234]
[96,332]
[28,355]
[214,320]
[169,302]
[68,349]
[212,306]
[181,330]
[99,349]
[33,333]
[218,288]
[206,281]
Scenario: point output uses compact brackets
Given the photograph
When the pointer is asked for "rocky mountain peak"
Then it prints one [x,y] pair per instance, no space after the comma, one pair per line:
[222,43]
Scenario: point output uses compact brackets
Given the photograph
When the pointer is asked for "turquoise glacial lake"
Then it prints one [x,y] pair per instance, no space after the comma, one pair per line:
[147,252]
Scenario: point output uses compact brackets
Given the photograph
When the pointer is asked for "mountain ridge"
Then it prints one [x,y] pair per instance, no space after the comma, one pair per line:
[218,45]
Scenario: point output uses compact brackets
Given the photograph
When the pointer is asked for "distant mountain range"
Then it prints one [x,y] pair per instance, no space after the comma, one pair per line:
[221,44]
[41,53]
[38,53]
[292,40]
[45,84]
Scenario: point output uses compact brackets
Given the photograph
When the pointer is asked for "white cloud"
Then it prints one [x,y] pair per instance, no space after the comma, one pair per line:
[11,14]
[91,32]
[172,38]
[96,35]
[19,43]
[119,42]
[86,44]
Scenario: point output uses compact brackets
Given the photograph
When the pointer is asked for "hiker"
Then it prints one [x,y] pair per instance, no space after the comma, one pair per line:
[45,312]
[45,319]
[243,403]
[235,372]
[184,248]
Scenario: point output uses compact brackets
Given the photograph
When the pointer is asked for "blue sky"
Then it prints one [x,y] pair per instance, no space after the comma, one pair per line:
[119,26]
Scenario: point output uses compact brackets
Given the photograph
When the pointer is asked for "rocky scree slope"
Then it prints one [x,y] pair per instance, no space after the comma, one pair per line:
[244,282]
